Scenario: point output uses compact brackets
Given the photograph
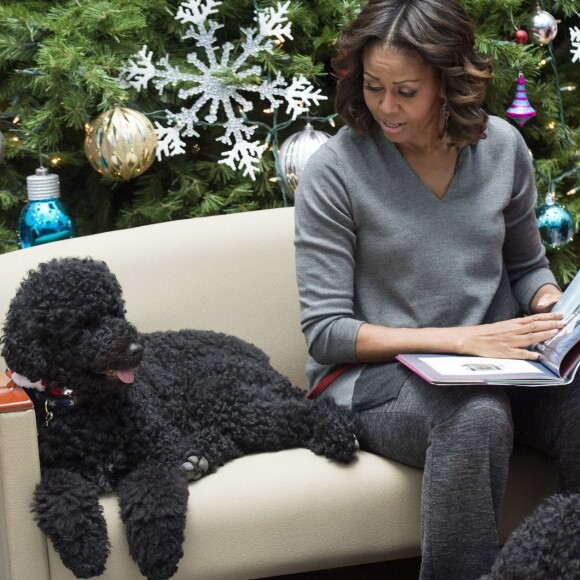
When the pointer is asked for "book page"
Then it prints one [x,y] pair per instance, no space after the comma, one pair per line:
[569,302]
[555,349]
[448,369]
[478,366]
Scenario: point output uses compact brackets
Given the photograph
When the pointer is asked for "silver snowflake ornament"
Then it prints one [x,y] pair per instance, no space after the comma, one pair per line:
[575,42]
[218,80]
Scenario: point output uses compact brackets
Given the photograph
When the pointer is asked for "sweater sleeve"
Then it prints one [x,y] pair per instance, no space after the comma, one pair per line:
[524,254]
[325,245]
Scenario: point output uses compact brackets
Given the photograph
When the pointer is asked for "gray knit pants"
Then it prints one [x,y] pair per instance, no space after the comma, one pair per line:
[462,437]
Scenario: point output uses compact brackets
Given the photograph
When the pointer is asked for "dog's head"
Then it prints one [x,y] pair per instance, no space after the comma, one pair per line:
[66,327]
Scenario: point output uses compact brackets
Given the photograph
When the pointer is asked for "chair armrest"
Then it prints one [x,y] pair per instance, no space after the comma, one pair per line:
[12,400]
[23,547]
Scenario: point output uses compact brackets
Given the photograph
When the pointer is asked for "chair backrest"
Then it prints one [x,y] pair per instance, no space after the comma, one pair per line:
[232,273]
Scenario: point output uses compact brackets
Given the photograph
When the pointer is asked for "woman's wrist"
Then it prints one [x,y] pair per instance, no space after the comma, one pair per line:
[378,343]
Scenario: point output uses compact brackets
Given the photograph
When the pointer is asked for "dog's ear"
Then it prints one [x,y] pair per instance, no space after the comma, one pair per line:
[26,357]
[24,330]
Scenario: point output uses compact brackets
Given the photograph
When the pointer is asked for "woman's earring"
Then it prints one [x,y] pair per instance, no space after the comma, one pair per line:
[445,110]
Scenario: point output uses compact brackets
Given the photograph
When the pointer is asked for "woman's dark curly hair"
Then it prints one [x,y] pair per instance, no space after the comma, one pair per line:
[441,34]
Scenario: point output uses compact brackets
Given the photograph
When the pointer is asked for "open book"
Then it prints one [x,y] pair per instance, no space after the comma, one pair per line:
[558,363]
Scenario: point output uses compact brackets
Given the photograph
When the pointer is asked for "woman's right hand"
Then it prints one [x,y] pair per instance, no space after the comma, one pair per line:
[509,338]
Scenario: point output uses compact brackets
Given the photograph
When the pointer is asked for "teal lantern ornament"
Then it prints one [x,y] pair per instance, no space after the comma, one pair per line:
[294,155]
[555,223]
[43,219]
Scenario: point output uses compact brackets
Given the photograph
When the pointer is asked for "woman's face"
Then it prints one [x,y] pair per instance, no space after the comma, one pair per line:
[403,96]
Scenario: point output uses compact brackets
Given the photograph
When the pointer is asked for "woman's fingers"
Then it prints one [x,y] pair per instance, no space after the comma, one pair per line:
[526,354]
[538,336]
[537,328]
[542,326]
[511,338]
[541,322]
[542,317]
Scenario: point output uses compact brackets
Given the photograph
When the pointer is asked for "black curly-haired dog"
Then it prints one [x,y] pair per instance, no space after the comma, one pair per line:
[142,414]
[545,546]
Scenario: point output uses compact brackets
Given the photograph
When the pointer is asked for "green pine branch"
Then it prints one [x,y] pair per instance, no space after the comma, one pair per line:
[60,62]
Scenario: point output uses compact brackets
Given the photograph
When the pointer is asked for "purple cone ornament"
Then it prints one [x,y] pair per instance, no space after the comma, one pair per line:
[521,110]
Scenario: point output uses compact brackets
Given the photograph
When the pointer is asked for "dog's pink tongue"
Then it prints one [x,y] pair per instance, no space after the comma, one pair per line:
[127,376]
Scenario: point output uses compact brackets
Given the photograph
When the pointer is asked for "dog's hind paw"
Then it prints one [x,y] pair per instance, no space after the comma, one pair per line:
[335,447]
[195,467]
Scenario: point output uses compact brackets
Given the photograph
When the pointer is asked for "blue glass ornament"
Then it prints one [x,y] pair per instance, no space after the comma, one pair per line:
[555,223]
[43,219]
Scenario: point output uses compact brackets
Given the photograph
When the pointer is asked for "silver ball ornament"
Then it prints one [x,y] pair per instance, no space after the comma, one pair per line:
[2,146]
[544,27]
[294,154]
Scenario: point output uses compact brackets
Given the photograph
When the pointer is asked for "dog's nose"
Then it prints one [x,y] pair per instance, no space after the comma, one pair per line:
[135,350]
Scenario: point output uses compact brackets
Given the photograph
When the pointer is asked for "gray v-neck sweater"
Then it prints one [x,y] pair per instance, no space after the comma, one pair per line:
[374,244]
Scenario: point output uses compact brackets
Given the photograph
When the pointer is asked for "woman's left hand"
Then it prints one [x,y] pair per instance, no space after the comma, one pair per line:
[545,299]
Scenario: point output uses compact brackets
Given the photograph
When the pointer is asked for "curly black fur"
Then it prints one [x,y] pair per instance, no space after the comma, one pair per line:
[545,546]
[200,395]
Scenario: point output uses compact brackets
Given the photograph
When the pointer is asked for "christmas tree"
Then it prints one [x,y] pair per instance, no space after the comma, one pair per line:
[225,84]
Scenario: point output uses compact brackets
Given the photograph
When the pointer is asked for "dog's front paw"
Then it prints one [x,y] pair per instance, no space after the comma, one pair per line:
[85,570]
[67,510]
[86,558]
[162,570]
[156,546]
[159,566]
[195,467]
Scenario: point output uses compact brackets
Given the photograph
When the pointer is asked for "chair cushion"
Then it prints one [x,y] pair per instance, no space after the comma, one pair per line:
[285,512]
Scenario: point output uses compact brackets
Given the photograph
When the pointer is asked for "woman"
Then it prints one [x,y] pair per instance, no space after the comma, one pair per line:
[415,232]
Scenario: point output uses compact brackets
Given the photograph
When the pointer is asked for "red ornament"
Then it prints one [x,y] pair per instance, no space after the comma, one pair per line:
[521,36]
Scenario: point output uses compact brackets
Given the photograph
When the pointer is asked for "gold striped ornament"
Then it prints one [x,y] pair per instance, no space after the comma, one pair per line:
[121,143]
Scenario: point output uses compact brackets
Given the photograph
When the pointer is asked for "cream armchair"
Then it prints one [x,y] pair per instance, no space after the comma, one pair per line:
[261,515]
